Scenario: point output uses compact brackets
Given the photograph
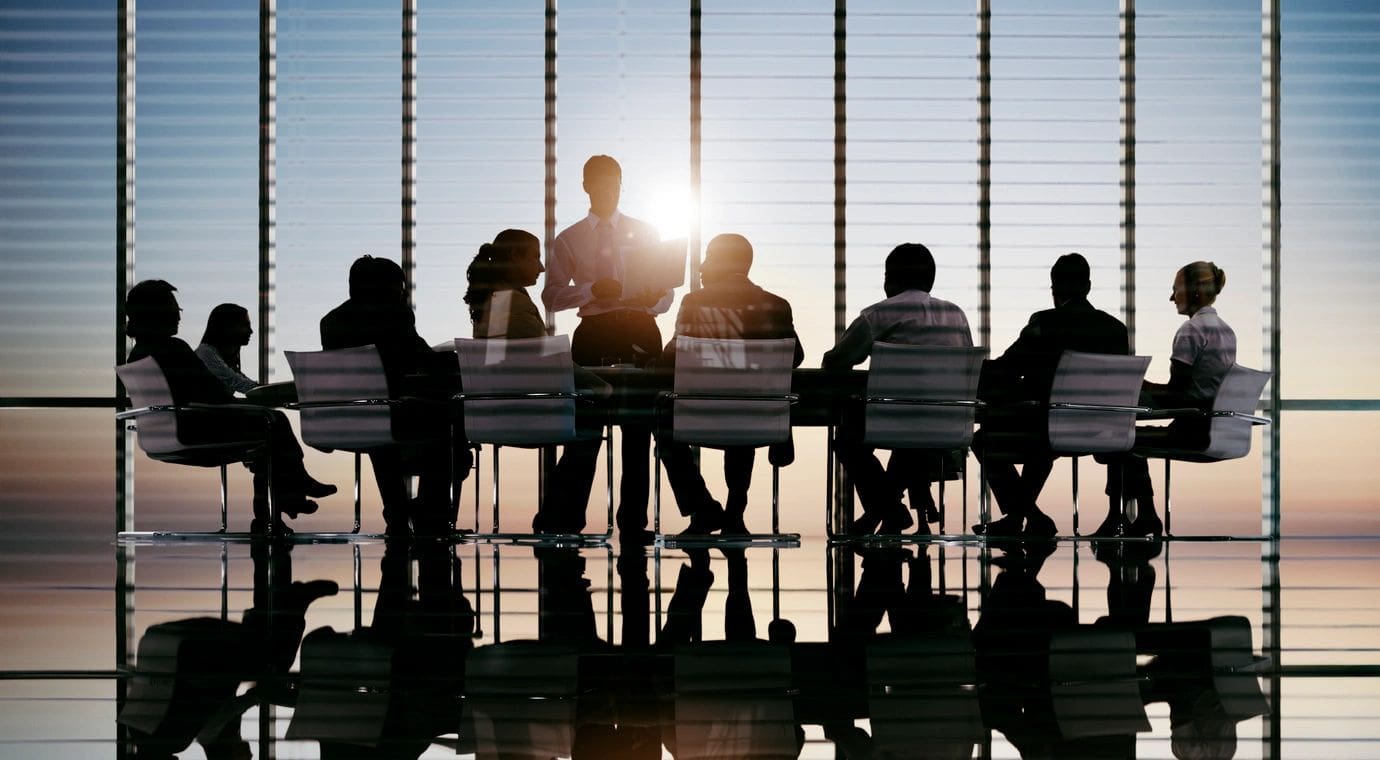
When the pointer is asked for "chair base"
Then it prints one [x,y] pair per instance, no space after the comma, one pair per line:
[784,540]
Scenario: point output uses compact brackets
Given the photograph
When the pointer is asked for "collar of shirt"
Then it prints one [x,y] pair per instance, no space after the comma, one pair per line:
[1205,312]
[594,219]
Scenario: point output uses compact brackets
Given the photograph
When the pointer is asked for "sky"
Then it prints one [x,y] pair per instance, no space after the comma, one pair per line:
[768,170]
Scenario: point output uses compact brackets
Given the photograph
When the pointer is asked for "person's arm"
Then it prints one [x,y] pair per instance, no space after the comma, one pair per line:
[230,377]
[559,294]
[853,347]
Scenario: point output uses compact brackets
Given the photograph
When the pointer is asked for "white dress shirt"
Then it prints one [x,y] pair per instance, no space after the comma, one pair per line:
[1207,345]
[594,249]
[912,317]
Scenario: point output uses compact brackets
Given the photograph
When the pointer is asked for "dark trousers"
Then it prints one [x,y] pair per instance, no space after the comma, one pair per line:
[284,454]
[624,336]
[432,507]
[688,484]
[878,493]
[565,498]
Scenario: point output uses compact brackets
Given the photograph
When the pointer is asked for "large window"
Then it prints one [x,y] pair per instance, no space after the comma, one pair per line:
[822,129]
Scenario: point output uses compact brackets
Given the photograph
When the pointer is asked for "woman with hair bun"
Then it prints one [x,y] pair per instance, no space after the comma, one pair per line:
[1204,349]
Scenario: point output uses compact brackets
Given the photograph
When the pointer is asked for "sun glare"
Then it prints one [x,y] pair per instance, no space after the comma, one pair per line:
[671,212]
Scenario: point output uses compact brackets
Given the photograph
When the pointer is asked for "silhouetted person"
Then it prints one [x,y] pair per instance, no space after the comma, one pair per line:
[585,272]
[227,331]
[908,315]
[153,317]
[498,279]
[1204,350]
[728,306]
[1025,373]
[377,314]
[188,671]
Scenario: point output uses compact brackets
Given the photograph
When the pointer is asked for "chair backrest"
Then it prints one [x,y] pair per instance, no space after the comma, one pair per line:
[1233,661]
[340,375]
[922,695]
[147,386]
[1094,686]
[753,377]
[1230,437]
[921,373]
[1101,379]
[514,367]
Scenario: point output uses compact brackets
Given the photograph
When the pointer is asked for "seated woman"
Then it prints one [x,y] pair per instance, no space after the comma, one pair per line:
[499,307]
[153,317]
[1204,350]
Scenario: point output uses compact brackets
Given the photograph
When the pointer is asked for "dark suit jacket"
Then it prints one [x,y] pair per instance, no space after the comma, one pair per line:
[734,307]
[1026,370]
[390,327]
[191,383]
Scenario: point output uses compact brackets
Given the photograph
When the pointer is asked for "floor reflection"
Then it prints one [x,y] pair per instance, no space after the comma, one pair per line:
[403,649]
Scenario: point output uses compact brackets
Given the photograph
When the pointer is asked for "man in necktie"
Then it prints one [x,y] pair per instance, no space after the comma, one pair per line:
[585,271]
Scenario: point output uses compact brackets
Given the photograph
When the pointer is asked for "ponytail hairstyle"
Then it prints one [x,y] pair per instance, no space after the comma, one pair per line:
[1203,280]
[489,271]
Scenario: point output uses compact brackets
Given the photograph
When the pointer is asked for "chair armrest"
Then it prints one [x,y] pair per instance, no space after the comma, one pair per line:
[575,395]
[924,402]
[347,403]
[674,396]
[236,409]
[1099,408]
[1171,413]
[1254,419]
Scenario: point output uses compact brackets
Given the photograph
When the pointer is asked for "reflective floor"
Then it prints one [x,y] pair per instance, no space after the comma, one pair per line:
[367,649]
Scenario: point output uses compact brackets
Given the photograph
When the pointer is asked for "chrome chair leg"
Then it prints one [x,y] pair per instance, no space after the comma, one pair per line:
[495,476]
[942,456]
[1075,495]
[357,475]
[224,498]
[1167,532]
[775,501]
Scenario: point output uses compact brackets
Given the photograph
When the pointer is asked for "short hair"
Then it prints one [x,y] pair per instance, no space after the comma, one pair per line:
[1203,279]
[151,310]
[729,252]
[1070,277]
[372,276]
[910,266]
[602,166]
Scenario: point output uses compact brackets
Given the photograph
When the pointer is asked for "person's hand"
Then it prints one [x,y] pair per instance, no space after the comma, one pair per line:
[606,288]
[644,301]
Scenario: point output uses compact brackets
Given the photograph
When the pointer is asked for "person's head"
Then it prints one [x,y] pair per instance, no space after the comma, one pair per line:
[1196,285]
[151,310]
[604,182]
[228,327]
[1070,278]
[909,266]
[377,280]
[726,255]
[524,251]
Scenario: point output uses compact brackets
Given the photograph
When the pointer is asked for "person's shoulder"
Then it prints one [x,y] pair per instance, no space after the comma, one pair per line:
[571,229]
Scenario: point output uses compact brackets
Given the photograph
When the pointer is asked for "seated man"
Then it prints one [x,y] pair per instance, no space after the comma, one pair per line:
[377,314]
[728,306]
[1025,373]
[908,315]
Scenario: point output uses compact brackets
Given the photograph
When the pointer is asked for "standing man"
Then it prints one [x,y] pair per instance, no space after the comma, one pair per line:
[586,272]
[908,315]
[728,306]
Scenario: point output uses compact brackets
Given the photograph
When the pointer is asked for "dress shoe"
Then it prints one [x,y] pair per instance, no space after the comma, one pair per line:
[734,526]
[1147,523]
[1039,525]
[400,531]
[896,523]
[316,489]
[260,528]
[705,521]
[931,513]
[303,507]
[1006,526]
[1112,527]
[865,525]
